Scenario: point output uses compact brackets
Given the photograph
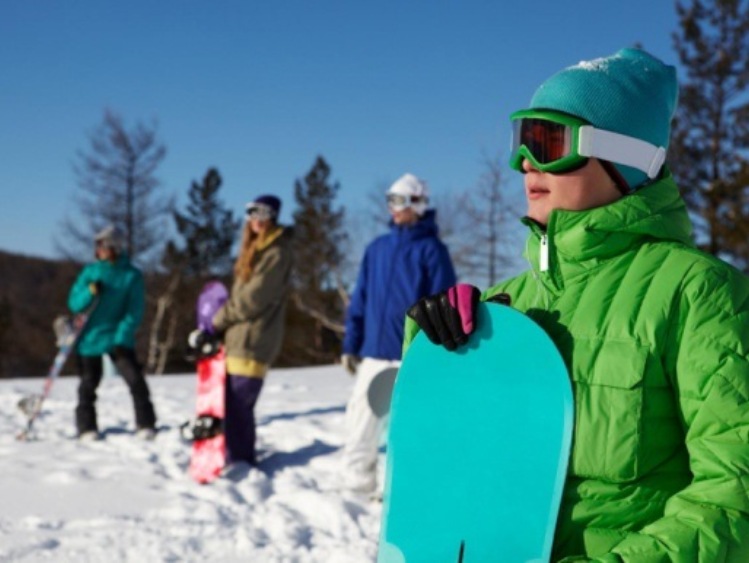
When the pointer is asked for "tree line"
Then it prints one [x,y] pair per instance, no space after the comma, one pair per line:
[117,178]
[118,184]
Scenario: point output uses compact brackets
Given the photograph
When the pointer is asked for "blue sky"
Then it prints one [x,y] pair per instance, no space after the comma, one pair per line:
[259,89]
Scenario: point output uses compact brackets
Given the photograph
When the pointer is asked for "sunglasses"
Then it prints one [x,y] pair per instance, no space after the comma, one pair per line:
[558,143]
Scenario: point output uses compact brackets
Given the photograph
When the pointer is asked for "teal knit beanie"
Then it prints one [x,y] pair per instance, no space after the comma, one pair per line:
[631,93]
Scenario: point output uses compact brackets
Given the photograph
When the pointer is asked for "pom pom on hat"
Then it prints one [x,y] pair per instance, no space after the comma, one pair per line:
[631,93]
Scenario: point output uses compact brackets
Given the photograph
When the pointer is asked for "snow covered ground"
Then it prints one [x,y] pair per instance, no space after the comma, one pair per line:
[121,499]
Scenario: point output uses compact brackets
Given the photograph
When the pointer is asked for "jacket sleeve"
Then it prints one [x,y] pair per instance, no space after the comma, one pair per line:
[354,335]
[440,269]
[80,297]
[708,361]
[125,333]
[266,286]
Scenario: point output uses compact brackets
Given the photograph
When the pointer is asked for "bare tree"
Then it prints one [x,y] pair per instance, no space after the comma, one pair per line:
[118,186]
[481,229]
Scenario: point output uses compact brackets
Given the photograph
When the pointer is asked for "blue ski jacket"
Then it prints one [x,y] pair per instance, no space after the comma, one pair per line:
[398,269]
[119,311]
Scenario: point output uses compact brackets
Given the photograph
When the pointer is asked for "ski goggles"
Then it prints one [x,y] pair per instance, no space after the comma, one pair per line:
[259,211]
[399,202]
[557,143]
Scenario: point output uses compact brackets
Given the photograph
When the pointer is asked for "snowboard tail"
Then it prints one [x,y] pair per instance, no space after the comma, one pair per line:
[208,456]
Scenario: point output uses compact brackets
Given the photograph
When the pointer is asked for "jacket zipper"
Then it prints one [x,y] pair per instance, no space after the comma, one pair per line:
[543,257]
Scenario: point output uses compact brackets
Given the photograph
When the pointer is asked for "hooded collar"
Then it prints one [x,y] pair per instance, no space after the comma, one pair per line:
[577,241]
[426,226]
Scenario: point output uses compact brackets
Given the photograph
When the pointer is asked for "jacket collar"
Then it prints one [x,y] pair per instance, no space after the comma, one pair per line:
[577,241]
[270,237]
[426,226]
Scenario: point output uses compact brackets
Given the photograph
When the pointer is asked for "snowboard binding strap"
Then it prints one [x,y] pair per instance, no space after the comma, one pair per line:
[201,428]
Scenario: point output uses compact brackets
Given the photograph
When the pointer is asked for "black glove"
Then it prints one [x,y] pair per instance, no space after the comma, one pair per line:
[449,317]
[202,344]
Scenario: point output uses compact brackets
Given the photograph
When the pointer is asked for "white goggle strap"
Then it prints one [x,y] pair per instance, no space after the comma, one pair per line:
[621,149]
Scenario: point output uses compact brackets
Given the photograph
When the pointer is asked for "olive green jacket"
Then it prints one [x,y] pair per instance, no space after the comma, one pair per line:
[252,319]
[655,335]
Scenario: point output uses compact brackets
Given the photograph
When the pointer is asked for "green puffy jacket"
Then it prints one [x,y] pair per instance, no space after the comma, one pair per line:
[655,335]
[119,310]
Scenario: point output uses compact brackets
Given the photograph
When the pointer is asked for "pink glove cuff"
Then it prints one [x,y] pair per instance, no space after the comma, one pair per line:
[460,297]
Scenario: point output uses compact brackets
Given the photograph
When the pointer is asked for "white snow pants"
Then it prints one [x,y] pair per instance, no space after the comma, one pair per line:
[363,430]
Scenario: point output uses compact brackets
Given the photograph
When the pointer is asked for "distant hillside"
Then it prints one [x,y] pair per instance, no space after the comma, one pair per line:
[33,291]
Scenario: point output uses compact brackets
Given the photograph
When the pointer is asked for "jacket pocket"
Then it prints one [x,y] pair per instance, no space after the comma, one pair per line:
[608,386]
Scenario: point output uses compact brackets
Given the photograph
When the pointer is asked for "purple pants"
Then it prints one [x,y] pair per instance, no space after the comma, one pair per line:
[242,393]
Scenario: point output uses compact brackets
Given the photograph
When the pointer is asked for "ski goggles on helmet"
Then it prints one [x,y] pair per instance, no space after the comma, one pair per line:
[399,202]
[259,211]
[557,143]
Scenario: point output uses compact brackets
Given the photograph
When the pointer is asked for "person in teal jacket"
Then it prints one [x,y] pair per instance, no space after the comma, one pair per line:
[654,332]
[111,288]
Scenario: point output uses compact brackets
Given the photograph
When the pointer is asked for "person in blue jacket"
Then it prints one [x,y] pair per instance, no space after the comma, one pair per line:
[112,289]
[398,269]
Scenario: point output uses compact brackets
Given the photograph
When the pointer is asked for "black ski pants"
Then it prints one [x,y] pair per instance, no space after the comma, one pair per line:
[91,369]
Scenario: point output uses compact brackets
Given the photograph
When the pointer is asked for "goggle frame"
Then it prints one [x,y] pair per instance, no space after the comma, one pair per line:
[586,142]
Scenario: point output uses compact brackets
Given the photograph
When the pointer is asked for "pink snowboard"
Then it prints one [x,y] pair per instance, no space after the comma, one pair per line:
[208,455]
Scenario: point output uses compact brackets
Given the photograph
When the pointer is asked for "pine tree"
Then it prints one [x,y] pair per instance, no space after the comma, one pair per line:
[318,241]
[318,233]
[208,230]
[711,130]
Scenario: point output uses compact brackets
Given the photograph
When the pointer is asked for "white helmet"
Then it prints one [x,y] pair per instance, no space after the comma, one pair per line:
[409,191]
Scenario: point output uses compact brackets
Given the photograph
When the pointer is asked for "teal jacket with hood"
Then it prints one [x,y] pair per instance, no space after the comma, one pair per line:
[655,335]
[119,310]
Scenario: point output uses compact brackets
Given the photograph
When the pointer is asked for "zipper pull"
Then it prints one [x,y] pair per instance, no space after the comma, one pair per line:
[543,259]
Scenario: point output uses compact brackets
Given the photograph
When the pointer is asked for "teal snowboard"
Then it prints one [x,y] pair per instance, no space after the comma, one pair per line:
[478,446]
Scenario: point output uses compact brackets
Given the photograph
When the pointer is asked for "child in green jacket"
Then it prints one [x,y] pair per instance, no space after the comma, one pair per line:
[653,331]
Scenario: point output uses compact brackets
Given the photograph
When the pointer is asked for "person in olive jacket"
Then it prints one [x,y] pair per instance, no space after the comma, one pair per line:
[252,321]
[114,287]
[653,331]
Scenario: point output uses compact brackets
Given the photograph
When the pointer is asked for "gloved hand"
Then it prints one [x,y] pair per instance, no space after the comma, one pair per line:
[350,362]
[203,343]
[95,287]
[449,317]
[195,338]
